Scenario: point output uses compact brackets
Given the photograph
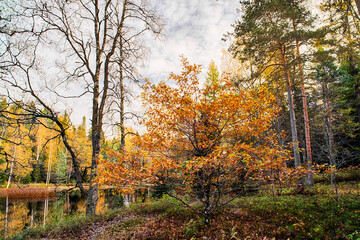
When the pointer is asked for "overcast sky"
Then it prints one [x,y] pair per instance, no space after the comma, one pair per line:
[193,28]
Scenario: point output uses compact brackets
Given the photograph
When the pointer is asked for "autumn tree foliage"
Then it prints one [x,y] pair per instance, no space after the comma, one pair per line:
[124,168]
[203,143]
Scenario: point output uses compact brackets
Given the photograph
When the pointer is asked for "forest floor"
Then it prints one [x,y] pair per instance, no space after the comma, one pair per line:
[315,214]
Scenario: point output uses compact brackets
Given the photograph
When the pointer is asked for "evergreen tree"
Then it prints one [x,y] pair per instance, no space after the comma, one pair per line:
[61,168]
[271,34]
[344,31]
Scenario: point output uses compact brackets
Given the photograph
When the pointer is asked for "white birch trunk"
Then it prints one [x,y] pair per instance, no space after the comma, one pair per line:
[12,167]
[49,165]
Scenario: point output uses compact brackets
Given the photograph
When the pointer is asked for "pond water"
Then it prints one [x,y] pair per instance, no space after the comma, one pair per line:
[17,214]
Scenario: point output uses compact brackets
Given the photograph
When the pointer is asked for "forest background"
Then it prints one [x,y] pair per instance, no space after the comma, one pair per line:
[306,59]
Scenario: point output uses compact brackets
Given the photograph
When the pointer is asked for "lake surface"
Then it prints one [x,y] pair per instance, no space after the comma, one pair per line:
[17,213]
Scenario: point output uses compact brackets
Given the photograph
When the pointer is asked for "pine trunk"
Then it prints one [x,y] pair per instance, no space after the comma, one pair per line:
[278,123]
[329,136]
[354,73]
[293,126]
[294,136]
[309,178]
[357,97]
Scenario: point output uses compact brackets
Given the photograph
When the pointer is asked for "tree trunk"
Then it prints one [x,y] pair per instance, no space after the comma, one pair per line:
[207,206]
[37,156]
[6,216]
[32,216]
[38,150]
[329,136]
[91,199]
[357,97]
[354,74]
[278,124]
[46,207]
[75,161]
[293,126]
[92,194]
[49,165]
[12,167]
[67,169]
[358,6]
[99,105]
[122,100]
[309,178]
[294,136]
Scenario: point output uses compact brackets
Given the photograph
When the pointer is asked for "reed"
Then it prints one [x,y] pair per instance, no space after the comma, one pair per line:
[28,192]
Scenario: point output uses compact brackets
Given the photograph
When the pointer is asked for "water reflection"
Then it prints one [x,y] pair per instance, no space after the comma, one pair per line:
[17,214]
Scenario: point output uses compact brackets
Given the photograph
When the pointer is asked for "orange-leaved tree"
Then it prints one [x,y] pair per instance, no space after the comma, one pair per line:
[205,143]
[125,168]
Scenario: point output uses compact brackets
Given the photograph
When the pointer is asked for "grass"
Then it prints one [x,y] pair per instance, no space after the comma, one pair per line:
[299,217]
[351,174]
[318,214]
[68,227]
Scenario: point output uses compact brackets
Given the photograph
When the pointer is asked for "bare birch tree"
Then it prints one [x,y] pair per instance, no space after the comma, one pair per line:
[84,40]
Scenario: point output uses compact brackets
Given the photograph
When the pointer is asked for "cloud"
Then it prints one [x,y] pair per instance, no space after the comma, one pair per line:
[194,28]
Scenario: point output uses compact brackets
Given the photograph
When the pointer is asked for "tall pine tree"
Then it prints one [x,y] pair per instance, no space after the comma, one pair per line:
[271,33]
